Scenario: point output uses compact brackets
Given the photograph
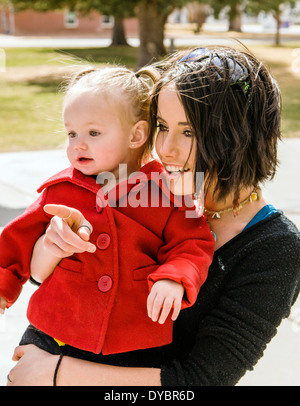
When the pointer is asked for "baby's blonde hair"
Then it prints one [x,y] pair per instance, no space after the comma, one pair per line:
[117,82]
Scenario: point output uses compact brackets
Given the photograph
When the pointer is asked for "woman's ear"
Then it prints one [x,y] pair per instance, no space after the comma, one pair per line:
[139,134]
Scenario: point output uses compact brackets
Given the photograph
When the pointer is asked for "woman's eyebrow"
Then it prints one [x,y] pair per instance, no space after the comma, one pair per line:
[179,122]
[160,118]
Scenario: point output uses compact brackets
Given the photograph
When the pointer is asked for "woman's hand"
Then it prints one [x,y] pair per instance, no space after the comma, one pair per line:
[68,232]
[35,367]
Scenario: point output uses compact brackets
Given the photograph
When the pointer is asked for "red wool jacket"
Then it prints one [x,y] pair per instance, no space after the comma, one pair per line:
[97,302]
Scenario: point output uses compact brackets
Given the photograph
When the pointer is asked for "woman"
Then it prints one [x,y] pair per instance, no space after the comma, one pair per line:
[225,103]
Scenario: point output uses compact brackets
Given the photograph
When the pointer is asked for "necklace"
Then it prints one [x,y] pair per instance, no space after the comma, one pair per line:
[254,195]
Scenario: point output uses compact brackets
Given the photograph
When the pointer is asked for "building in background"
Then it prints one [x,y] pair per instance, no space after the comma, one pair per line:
[60,22]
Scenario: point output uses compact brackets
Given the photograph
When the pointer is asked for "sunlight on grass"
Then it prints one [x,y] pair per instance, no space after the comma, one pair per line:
[30,119]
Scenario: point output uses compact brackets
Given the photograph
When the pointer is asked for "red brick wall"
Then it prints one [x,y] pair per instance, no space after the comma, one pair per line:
[52,22]
[30,22]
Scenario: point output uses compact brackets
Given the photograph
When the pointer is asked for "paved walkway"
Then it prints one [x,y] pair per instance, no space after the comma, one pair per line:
[20,175]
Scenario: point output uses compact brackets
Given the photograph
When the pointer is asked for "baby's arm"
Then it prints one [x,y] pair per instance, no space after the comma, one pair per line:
[165,294]
[43,262]
[64,237]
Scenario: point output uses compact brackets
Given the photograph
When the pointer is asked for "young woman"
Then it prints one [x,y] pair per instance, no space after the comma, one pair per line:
[224,103]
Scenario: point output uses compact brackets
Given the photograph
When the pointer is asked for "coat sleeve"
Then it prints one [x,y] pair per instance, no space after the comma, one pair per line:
[17,240]
[186,255]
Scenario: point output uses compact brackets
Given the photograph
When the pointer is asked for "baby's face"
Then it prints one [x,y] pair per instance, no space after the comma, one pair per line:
[98,137]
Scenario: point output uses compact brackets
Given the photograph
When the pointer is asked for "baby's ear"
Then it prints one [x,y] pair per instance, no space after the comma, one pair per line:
[139,134]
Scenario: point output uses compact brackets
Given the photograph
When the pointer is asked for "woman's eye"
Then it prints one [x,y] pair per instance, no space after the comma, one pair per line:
[161,127]
[94,133]
[188,133]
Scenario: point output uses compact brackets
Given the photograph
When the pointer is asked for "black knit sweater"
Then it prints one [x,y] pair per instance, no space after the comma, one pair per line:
[253,281]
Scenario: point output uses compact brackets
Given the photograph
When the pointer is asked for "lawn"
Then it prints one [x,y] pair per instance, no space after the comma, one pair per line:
[30,97]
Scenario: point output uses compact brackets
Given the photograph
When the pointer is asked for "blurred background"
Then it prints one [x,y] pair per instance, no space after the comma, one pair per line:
[40,41]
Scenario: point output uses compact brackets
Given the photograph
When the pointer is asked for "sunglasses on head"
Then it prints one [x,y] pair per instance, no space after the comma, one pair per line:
[239,74]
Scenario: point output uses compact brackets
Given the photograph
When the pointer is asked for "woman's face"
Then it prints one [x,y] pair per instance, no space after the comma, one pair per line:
[174,142]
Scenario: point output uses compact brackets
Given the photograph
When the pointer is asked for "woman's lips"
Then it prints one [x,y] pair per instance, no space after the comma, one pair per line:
[174,171]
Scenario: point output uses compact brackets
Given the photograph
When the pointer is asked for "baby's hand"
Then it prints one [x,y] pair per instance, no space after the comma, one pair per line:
[2,305]
[164,295]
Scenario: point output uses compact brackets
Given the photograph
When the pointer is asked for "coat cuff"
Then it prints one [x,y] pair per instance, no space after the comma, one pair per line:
[10,286]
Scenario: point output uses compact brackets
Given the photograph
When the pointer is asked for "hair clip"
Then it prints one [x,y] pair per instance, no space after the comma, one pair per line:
[196,55]
[239,74]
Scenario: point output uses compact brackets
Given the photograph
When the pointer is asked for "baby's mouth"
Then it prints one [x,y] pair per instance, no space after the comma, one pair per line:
[83,159]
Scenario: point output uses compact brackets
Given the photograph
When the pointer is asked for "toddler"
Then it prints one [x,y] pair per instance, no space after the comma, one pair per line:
[96,301]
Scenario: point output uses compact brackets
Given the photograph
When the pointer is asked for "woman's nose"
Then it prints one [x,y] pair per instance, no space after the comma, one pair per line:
[168,146]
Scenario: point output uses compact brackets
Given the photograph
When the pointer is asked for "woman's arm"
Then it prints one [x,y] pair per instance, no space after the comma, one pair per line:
[36,368]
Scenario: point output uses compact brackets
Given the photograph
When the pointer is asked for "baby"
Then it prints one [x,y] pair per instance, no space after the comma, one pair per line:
[96,301]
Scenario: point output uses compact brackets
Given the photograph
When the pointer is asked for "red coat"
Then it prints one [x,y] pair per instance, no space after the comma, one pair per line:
[97,302]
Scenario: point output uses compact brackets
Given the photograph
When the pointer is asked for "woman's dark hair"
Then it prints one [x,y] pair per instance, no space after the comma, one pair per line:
[233,105]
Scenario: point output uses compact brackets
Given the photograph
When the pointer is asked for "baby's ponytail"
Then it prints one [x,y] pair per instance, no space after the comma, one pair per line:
[149,72]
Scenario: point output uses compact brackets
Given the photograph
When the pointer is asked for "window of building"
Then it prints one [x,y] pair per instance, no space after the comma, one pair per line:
[107,21]
[71,19]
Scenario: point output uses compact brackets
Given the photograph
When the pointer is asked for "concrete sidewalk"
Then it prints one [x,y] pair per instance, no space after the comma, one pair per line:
[21,174]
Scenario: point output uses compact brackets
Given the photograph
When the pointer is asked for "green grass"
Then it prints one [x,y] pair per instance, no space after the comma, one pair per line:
[30,117]
[30,102]
[19,57]
[290,89]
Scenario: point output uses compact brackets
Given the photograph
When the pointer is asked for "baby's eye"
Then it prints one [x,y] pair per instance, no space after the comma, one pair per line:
[71,134]
[94,133]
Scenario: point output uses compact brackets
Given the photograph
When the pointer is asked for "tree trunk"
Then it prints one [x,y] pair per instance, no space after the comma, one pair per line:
[151,33]
[277,16]
[197,14]
[118,36]
[235,20]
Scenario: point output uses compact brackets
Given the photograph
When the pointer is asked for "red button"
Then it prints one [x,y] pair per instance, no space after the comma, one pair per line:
[103,241]
[105,283]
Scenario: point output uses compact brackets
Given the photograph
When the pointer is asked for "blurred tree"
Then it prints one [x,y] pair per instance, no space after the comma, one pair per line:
[275,7]
[152,16]
[198,11]
[235,9]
